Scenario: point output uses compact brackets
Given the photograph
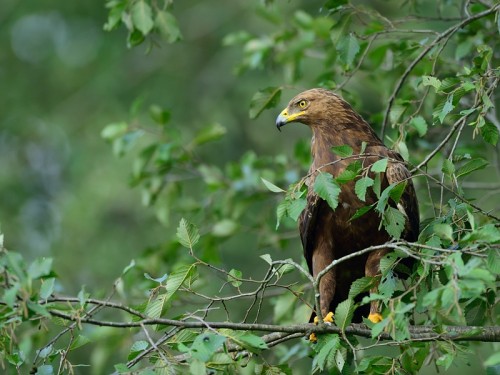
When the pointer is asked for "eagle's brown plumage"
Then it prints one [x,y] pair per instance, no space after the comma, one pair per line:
[330,234]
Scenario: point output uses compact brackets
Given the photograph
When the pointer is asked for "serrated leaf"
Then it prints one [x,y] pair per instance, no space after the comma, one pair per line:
[205,346]
[327,188]
[393,221]
[245,339]
[295,208]
[345,176]
[348,48]
[360,212]
[379,166]
[137,348]
[176,278]
[343,151]
[344,313]
[420,125]
[361,186]
[490,133]
[187,234]
[167,26]
[361,285]
[234,276]
[471,166]
[272,187]
[397,191]
[155,306]
[281,211]
[327,351]
[142,17]
[264,99]
[431,81]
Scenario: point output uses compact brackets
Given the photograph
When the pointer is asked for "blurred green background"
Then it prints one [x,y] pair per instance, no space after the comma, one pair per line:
[62,192]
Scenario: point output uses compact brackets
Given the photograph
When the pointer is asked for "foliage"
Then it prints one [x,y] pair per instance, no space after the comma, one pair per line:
[435,78]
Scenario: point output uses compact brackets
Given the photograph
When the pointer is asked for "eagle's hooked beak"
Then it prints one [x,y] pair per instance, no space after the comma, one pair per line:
[284,118]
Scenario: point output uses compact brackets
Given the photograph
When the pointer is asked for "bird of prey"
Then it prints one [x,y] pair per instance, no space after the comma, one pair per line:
[329,234]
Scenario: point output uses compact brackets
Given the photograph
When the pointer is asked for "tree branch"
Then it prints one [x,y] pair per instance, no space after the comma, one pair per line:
[420,333]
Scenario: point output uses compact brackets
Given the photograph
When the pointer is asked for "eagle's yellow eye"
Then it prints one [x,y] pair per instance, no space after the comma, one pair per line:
[302,104]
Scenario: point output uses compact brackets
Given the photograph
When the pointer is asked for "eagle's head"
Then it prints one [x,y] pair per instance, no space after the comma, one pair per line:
[313,107]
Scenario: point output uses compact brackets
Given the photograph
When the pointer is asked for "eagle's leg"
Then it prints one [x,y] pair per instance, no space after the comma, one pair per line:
[327,284]
[372,269]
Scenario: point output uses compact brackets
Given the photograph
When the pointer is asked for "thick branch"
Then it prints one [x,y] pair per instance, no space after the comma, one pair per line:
[419,333]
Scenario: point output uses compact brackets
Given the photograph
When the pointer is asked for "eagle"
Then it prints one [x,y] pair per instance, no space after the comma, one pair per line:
[329,234]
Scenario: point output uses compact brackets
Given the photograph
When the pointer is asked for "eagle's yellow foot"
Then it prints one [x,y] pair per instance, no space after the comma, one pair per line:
[328,319]
[375,318]
[313,338]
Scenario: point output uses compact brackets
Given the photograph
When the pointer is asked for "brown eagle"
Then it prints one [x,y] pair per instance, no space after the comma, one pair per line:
[329,234]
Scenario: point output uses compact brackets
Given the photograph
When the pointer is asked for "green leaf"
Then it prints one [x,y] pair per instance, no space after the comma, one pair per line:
[361,186]
[272,187]
[361,285]
[205,345]
[167,26]
[137,348]
[142,17]
[155,306]
[431,81]
[45,370]
[348,48]
[224,228]
[448,167]
[471,166]
[489,132]
[345,176]
[327,188]
[267,258]
[379,166]
[177,277]
[245,339]
[79,341]
[210,133]
[187,234]
[327,350]
[47,288]
[344,313]
[264,99]
[281,211]
[234,276]
[494,359]
[447,108]
[343,151]
[393,221]
[397,191]
[40,267]
[114,130]
[295,208]
[443,230]
[420,125]
[360,212]
[159,115]
[197,367]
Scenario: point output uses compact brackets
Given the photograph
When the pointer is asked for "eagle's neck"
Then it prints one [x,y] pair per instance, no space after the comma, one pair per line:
[353,131]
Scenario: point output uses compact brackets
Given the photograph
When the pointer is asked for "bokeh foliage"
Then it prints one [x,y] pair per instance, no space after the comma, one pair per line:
[187,114]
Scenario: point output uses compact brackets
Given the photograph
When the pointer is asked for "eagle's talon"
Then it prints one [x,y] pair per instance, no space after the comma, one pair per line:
[313,338]
[375,318]
[328,319]
[316,320]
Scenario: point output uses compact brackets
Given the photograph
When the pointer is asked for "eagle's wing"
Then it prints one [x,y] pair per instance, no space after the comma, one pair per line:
[307,226]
